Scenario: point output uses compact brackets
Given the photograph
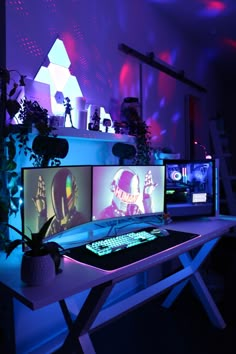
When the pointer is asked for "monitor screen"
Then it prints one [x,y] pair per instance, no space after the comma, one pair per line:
[127,191]
[190,187]
[63,192]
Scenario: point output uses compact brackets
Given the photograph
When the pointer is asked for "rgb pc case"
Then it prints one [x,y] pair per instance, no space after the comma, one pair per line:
[191,187]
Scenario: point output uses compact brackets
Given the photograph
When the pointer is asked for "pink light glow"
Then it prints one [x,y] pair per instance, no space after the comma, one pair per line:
[230,42]
[166,84]
[128,80]
[70,46]
[125,73]
[213,8]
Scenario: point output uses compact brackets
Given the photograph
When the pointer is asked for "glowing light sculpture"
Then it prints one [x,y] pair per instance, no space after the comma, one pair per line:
[62,84]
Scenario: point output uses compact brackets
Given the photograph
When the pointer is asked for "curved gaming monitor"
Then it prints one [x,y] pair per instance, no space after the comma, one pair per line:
[191,187]
[127,191]
[62,191]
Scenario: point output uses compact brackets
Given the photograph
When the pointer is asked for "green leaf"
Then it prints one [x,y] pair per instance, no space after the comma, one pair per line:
[45,226]
[10,165]
[12,245]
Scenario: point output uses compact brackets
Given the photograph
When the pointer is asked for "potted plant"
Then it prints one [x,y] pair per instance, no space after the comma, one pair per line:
[32,117]
[16,141]
[41,260]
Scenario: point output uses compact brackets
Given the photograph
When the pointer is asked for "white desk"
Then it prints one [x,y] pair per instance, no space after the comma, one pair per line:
[77,277]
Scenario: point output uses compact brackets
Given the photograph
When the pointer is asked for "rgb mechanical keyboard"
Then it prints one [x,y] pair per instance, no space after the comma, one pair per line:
[117,243]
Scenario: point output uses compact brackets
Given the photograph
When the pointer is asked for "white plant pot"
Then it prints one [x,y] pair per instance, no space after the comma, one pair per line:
[37,270]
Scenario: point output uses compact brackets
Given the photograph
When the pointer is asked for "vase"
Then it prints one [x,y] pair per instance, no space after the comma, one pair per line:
[37,270]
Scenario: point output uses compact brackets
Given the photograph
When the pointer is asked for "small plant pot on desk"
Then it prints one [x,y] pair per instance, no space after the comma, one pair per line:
[37,270]
[41,260]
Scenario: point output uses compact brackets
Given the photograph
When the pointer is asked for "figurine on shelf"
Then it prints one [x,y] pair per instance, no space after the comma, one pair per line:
[96,121]
[68,110]
[106,123]
[120,127]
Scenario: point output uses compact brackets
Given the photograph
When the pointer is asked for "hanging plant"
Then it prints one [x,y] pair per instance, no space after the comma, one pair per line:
[32,114]
[31,117]
[16,142]
[138,128]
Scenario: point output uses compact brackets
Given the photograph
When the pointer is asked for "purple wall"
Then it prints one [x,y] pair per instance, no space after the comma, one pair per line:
[91,31]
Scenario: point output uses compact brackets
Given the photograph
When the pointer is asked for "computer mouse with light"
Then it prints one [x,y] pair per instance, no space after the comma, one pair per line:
[160,232]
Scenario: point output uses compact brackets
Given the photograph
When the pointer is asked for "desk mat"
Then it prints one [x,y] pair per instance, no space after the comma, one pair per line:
[130,255]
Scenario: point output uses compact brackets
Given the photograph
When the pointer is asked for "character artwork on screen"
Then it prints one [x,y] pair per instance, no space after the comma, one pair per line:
[64,192]
[127,191]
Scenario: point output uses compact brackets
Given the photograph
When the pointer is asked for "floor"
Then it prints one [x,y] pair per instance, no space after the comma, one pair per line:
[183,329]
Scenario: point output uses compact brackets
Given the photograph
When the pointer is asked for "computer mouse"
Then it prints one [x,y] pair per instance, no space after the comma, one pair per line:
[160,232]
[164,232]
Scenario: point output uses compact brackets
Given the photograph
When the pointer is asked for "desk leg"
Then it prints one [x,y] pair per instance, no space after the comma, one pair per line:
[174,293]
[198,284]
[7,327]
[207,301]
[66,313]
[78,338]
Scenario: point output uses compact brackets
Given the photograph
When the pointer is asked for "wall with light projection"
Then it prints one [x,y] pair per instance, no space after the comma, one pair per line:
[72,47]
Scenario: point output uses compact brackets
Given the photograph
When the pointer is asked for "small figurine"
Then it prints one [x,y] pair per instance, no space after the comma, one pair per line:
[96,121]
[106,123]
[68,110]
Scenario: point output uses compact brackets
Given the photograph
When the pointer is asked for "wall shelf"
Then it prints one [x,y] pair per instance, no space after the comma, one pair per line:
[94,135]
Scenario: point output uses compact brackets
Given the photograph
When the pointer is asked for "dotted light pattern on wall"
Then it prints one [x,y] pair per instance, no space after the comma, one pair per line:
[29,46]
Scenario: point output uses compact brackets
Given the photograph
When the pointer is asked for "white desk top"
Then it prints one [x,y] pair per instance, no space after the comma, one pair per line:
[77,277]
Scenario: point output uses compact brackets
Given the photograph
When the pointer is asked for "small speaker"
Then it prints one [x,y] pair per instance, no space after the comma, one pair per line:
[50,147]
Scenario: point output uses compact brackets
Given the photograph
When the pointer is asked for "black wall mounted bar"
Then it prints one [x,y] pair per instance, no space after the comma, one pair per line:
[149,60]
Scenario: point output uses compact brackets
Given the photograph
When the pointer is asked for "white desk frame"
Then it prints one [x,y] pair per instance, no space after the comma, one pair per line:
[77,277]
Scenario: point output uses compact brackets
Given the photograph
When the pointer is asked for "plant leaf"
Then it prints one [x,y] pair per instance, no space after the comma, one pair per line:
[42,232]
[26,238]
[12,245]
[15,229]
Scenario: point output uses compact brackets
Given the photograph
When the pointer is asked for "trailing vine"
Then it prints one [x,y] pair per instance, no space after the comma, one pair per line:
[17,142]
[138,128]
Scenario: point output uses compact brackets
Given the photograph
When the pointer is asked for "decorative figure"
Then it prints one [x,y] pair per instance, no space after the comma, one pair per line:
[68,110]
[96,121]
[106,123]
